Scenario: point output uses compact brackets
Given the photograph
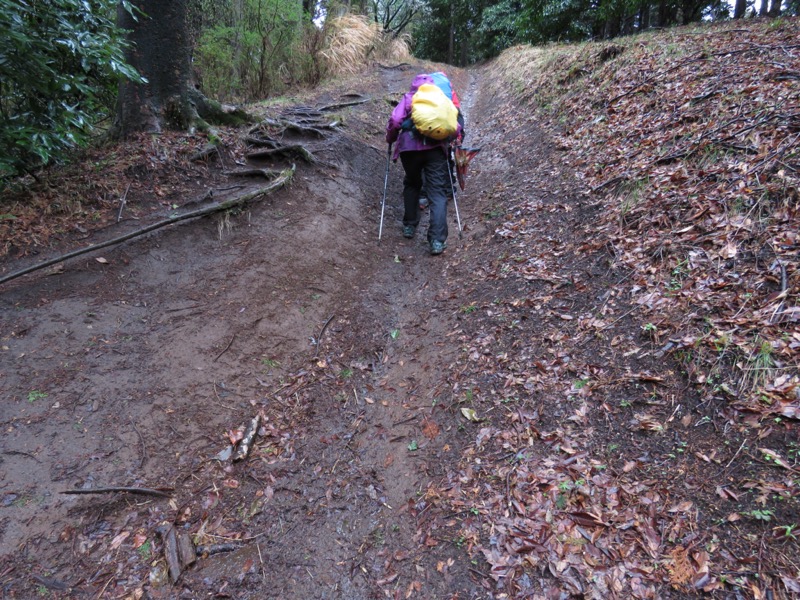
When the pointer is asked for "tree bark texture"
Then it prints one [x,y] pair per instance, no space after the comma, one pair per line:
[160,51]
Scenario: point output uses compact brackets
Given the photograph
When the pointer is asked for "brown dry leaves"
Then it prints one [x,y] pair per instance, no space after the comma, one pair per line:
[702,196]
[686,143]
[149,172]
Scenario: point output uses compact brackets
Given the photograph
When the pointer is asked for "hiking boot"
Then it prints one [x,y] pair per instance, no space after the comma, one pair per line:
[408,231]
[438,247]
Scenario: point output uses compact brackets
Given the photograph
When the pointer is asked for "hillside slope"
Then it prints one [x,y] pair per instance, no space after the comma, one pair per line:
[592,393]
[638,357]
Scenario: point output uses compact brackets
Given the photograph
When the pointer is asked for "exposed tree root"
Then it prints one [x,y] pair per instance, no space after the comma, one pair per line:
[282,179]
[266,142]
[342,105]
[268,173]
[289,150]
[205,153]
[161,492]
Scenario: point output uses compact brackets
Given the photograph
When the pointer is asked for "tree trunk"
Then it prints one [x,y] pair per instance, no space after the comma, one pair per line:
[775,8]
[644,15]
[452,39]
[160,52]
[762,12]
[663,13]
[740,9]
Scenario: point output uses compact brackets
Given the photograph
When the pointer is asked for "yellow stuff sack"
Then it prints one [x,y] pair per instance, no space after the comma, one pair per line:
[434,114]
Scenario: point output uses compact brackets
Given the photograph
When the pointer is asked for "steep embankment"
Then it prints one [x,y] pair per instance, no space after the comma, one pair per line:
[629,331]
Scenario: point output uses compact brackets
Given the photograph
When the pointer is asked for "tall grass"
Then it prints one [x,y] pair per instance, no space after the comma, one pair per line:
[267,51]
[352,42]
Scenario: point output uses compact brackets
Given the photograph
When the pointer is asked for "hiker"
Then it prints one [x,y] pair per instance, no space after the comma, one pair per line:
[421,154]
[444,84]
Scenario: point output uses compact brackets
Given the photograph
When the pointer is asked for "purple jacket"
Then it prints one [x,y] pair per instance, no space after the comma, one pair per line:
[406,140]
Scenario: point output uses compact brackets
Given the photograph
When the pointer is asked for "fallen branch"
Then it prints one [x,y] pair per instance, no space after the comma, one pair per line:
[216,549]
[179,551]
[278,183]
[161,492]
[246,443]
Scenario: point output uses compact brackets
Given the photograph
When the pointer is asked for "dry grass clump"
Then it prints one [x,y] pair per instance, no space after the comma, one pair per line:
[353,41]
[529,71]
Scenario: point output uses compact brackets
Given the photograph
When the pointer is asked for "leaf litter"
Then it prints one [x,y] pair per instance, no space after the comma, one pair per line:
[629,356]
[641,294]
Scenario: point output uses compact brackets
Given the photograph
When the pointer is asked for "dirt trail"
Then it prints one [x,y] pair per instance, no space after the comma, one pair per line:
[130,371]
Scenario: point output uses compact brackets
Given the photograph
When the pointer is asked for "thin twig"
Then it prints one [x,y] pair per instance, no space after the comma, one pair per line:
[619,319]
[103,591]
[737,453]
[322,331]
[476,572]
[122,202]
[219,400]
[263,572]
[226,348]
[141,441]
[161,492]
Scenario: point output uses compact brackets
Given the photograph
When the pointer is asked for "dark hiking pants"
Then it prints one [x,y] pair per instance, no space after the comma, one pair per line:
[433,163]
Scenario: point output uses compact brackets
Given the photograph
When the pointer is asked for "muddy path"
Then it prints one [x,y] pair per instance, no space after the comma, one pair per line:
[134,366]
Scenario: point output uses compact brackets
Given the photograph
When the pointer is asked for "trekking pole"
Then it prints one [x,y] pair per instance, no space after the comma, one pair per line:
[455,202]
[385,185]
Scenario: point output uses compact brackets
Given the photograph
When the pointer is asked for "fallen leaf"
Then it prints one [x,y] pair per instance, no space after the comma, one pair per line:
[682,507]
[430,429]
[470,415]
[115,543]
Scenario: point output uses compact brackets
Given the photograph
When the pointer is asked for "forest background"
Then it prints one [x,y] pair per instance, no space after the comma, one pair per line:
[248,50]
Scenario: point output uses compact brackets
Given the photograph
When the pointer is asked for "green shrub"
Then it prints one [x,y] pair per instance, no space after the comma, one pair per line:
[60,62]
[254,54]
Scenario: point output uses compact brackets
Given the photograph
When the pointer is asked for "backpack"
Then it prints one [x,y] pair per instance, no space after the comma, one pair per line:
[434,115]
[443,83]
